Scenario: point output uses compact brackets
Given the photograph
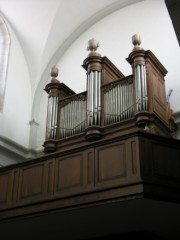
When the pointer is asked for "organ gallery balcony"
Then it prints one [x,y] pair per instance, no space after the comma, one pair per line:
[115,142]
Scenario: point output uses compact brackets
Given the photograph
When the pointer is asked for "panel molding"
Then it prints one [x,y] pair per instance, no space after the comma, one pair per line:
[110,168]
[32,182]
[69,174]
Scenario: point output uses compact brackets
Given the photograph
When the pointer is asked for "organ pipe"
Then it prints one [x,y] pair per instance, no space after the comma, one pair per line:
[141,88]
[72,117]
[52,117]
[118,102]
[93,98]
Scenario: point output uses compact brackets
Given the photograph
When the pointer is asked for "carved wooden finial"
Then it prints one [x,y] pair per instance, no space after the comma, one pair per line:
[54,73]
[93,45]
[136,40]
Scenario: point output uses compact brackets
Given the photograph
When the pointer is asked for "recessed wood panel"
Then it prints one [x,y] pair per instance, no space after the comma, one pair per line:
[155,85]
[111,162]
[50,176]
[69,172]
[158,95]
[4,184]
[90,168]
[15,185]
[166,161]
[31,181]
[160,110]
[134,156]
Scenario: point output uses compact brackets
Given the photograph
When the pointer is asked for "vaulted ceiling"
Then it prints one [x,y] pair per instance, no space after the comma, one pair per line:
[45,29]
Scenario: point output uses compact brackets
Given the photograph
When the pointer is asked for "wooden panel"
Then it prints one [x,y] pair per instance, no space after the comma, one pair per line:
[109,71]
[7,189]
[50,176]
[4,184]
[15,185]
[110,163]
[69,173]
[145,152]
[88,167]
[31,181]
[157,95]
[166,161]
[134,156]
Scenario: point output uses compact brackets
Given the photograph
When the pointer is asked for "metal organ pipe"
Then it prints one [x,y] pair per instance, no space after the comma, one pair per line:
[52,117]
[49,118]
[72,116]
[94,98]
[99,98]
[118,102]
[145,89]
[141,88]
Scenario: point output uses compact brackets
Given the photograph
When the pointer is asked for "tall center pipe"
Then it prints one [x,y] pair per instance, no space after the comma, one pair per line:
[94,98]
[93,66]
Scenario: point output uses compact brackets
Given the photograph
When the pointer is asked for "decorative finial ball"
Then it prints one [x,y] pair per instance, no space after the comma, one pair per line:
[93,44]
[54,72]
[136,40]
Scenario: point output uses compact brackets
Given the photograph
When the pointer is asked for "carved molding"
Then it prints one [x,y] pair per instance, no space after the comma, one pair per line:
[124,81]
[77,97]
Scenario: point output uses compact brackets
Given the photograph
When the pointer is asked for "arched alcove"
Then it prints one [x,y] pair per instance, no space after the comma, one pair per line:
[5,42]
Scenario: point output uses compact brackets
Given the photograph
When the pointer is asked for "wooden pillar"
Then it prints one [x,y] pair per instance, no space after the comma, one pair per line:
[56,91]
[93,66]
[149,89]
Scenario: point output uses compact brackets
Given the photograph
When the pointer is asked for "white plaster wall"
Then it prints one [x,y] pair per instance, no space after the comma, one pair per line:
[41,129]
[14,120]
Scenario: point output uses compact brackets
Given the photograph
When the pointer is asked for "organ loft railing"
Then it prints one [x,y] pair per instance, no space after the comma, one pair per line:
[112,101]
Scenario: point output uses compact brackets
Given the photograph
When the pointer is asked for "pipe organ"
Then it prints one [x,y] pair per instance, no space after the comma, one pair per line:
[104,151]
[137,100]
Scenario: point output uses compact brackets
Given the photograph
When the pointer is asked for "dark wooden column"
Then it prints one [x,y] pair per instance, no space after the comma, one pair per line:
[103,70]
[56,91]
[149,90]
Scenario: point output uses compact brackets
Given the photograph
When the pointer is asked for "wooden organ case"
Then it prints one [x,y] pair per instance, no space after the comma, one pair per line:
[111,142]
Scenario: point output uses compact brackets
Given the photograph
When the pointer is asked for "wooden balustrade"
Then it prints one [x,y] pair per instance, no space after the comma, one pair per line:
[132,164]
